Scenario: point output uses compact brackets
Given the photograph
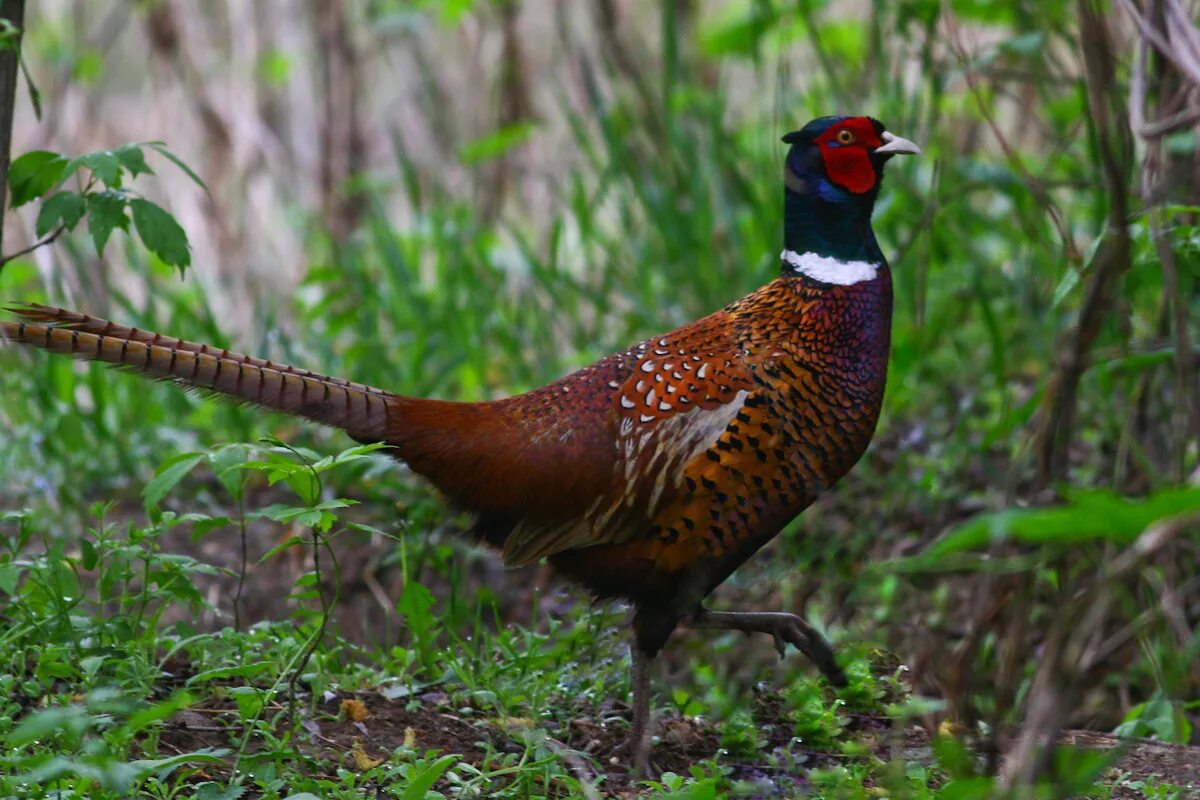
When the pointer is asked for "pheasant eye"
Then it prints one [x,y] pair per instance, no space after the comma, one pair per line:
[845,137]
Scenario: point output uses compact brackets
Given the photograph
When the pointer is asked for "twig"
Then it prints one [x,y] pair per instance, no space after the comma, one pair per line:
[48,240]
[1109,647]
[833,72]
[1066,653]
[931,207]
[1178,29]
[245,556]
[1015,162]
[1154,180]
[1113,256]
[1137,82]
[1187,403]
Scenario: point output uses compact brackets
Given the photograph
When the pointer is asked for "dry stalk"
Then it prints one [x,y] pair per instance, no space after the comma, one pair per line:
[1113,256]
[1167,27]
[1072,648]
[342,142]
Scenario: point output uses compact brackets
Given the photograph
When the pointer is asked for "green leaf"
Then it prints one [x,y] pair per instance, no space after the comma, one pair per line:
[309,519]
[158,711]
[227,462]
[1137,362]
[203,527]
[170,473]
[1159,717]
[106,211]
[162,150]
[291,541]
[10,575]
[213,791]
[144,767]
[496,143]
[161,234]
[10,36]
[33,174]
[88,556]
[249,701]
[133,159]
[91,665]
[245,671]
[337,502]
[65,207]
[415,604]
[277,512]
[44,724]
[1089,516]
[362,527]
[105,165]
[741,36]
[421,782]
[450,12]
[304,484]
[352,454]
[1070,278]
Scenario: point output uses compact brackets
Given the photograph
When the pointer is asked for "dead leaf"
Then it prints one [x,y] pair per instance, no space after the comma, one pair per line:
[362,761]
[354,710]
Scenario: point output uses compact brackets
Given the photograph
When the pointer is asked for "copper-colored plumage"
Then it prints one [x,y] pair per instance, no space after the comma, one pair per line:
[650,475]
[672,459]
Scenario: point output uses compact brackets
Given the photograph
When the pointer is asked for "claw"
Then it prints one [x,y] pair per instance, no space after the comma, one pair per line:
[784,629]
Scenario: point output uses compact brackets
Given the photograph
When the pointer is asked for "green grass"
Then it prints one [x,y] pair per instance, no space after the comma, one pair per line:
[122,676]
[94,674]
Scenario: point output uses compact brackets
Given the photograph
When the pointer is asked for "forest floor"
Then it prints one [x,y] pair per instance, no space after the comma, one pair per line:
[357,729]
[430,721]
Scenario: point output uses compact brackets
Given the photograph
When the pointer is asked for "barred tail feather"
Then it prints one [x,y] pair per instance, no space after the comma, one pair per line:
[360,410]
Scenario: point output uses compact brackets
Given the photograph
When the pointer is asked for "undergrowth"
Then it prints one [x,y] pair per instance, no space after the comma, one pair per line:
[239,617]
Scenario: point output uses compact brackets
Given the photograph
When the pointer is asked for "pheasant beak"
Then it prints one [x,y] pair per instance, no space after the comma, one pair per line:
[894,145]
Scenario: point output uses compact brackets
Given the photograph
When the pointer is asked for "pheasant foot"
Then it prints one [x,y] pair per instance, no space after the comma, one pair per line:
[784,628]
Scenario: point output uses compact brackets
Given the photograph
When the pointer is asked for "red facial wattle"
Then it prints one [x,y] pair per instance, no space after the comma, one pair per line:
[848,163]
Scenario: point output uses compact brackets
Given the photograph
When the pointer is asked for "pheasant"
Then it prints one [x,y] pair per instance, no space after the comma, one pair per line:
[655,472]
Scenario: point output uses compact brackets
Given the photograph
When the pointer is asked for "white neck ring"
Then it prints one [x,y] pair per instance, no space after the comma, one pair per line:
[827,269]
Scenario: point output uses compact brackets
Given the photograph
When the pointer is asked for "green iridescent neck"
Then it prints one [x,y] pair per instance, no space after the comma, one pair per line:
[839,228]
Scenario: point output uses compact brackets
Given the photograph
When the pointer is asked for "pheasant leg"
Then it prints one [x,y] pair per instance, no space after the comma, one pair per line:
[638,745]
[784,628]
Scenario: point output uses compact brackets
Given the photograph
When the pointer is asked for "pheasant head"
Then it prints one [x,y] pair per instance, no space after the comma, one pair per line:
[831,178]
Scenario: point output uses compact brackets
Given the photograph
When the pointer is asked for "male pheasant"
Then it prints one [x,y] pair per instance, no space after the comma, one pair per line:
[654,473]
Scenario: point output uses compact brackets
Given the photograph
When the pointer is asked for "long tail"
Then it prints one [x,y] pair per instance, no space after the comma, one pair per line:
[360,410]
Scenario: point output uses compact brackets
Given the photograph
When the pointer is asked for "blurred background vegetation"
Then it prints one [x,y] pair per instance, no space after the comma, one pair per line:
[466,199]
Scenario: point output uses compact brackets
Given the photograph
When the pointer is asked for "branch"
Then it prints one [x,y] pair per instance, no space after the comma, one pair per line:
[1181,47]
[1015,162]
[1114,148]
[48,240]
[12,11]
[1069,650]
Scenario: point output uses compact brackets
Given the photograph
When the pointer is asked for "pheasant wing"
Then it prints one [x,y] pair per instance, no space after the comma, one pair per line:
[679,395]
